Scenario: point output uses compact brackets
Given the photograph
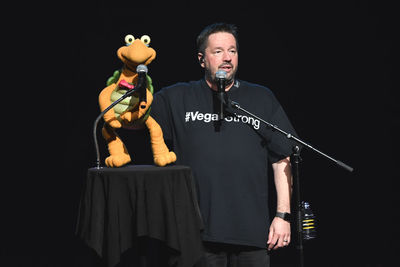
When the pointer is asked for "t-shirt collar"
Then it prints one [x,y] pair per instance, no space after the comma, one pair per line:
[236,85]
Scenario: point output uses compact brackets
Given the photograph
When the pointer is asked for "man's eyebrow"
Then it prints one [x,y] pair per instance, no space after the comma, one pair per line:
[220,47]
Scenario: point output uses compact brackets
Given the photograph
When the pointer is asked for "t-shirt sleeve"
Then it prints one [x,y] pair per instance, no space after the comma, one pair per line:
[161,113]
[279,146]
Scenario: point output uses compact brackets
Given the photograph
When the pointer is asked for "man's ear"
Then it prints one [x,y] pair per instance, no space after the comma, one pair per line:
[201,59]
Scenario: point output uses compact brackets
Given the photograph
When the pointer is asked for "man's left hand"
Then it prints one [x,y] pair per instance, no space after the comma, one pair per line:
[279,234]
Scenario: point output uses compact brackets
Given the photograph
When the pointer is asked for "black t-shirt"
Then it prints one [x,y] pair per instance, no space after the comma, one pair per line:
[229,159]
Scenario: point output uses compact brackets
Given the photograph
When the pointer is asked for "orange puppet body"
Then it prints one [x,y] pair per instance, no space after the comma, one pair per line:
[131,113]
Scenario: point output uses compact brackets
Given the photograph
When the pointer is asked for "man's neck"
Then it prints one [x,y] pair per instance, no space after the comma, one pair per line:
[214,86]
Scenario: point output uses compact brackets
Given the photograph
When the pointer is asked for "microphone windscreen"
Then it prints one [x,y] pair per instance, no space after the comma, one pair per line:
[141,68]
[220,74]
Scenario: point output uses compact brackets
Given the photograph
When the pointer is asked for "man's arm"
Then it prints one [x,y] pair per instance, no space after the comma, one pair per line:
[279,230]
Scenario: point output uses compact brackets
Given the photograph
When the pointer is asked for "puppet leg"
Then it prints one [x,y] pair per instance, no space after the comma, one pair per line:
[118,153]
[162,156]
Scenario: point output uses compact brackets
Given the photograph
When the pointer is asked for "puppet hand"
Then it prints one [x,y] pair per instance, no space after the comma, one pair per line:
[115,123]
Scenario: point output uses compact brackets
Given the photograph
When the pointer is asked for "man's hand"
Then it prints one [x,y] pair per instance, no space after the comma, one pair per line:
[279,234]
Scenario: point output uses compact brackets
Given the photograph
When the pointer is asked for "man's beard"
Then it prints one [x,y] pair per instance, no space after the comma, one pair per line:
[228,80]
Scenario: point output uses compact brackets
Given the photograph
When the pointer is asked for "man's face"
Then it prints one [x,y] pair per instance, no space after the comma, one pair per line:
[220,54]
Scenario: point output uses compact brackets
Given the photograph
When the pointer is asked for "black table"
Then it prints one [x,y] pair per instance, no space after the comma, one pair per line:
[119,205]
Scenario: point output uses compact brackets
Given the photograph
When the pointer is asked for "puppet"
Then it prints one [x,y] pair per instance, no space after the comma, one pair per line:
[132,112]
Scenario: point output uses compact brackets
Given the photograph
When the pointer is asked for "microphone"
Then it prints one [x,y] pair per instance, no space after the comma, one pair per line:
[142,82]
[221,76]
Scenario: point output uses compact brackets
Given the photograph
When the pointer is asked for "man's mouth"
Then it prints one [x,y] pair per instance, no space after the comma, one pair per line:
[226,67]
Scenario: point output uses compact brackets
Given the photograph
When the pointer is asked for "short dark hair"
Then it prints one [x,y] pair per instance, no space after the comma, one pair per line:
[202,38]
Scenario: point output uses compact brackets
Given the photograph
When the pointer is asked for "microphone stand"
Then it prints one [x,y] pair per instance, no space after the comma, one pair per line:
[290,136]
[96,144]
[220,75]
[296,176]
[221,93]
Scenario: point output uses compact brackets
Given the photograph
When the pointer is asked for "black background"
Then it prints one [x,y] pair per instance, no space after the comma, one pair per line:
[330,64]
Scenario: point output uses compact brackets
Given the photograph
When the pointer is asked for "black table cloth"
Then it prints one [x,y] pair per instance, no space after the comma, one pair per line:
[118,205]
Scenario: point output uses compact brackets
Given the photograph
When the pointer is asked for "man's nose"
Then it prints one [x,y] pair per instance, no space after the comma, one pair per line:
[226,57]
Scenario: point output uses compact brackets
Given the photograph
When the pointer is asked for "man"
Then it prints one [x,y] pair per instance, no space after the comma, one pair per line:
[229,157]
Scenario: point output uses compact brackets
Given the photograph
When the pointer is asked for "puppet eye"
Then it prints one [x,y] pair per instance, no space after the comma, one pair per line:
[129,39]
[145,39]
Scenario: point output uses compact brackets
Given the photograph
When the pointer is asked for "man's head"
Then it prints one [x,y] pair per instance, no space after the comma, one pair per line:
[217,48]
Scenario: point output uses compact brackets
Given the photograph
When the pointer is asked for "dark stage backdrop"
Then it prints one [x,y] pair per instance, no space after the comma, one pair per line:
[330,64]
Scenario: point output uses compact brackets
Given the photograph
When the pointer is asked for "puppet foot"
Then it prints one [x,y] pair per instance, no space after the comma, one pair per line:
[164,159]
[117,160]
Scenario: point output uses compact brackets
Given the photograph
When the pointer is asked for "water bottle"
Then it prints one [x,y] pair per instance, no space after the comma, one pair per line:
[308,221]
